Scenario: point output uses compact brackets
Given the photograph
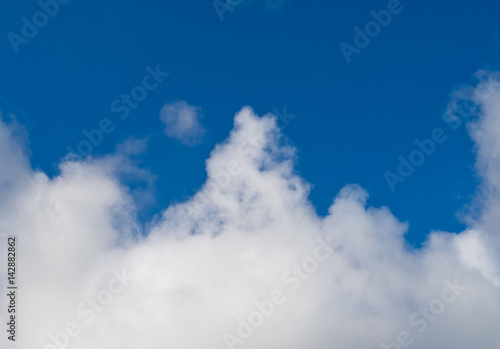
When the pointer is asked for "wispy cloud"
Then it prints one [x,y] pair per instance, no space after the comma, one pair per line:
[182,122]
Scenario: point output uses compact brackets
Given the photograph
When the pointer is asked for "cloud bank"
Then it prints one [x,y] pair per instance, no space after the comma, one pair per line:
[246,262]
[182,122]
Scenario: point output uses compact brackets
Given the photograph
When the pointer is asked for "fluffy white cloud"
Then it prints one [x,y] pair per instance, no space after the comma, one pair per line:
[182,122]
[203,270]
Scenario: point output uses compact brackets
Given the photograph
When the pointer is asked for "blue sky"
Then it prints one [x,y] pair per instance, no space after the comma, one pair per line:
[247,174]
[352,121]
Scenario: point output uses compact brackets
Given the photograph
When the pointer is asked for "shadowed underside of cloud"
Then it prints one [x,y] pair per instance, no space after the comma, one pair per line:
[248,243]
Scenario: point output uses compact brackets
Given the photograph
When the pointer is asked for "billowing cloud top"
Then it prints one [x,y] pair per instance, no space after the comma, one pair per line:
[182,122]
[246,262]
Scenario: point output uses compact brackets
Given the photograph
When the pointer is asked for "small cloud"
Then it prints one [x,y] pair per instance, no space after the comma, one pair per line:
[182,122]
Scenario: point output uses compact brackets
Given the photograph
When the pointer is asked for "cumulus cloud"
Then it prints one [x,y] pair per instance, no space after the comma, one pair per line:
[182,122]
[246,262]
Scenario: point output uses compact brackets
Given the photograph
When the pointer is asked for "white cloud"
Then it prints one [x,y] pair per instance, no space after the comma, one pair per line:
[182,122]
[202,264]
